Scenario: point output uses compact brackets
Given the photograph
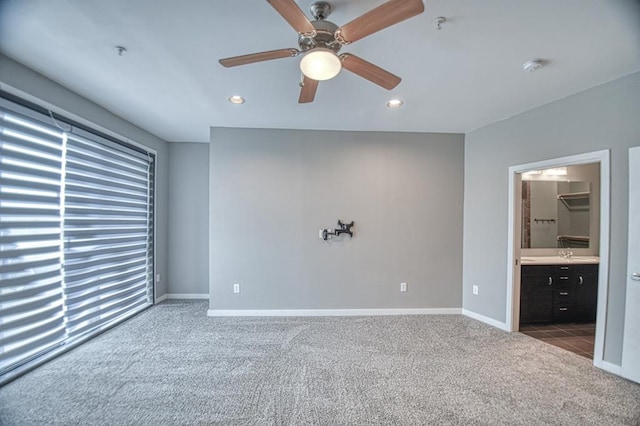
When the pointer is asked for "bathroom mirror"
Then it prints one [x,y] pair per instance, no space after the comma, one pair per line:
[555,214]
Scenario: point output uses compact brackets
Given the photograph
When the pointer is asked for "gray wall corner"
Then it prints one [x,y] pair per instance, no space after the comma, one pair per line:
[188,218]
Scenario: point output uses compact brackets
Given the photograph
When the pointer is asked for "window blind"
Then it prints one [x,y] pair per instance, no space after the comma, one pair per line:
[31,293]
[76,235]
[107,222]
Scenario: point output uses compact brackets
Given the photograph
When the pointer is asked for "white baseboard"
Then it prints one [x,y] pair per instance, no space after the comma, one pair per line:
[486,320]
[161,298]
[328,312]
[204,296]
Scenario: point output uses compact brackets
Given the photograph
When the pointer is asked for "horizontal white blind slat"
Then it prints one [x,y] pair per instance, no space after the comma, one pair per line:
[94,287]
[99,145]
[51,335]
[104,281]
[107,314]
[137,174]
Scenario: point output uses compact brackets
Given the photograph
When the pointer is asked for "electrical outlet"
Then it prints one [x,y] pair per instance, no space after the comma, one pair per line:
[403,286]
[157,278]
[475,289]
[236,288]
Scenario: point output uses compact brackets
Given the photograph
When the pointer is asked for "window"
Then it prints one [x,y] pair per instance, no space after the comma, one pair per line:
[76,234]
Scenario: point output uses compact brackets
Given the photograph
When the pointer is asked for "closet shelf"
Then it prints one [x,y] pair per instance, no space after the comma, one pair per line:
[580,238]
[575,200]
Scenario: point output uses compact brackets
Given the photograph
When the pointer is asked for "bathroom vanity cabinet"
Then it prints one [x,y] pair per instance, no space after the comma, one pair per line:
[558,293]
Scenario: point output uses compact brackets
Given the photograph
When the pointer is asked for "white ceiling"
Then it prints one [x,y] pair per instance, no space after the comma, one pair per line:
[465,76]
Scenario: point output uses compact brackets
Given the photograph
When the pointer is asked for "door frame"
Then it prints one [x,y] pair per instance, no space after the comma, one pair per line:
[514,240]
[630,345]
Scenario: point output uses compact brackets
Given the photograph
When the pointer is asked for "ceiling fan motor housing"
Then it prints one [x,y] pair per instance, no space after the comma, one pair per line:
[324,37]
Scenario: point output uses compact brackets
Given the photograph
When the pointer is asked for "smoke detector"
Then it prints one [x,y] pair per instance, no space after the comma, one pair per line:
[532,65]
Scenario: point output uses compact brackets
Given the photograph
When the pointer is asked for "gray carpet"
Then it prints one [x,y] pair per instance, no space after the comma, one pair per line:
[173,365]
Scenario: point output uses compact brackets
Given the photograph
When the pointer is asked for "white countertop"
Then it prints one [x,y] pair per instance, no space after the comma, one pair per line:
[558,260]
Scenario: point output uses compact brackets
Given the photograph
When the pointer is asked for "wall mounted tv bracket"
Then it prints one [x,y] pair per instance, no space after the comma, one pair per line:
[343,228]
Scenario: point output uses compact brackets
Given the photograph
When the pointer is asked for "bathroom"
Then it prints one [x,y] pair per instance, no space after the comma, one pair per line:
[559,255]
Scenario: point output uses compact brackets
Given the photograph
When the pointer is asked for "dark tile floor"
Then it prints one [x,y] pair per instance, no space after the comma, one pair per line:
[574,337]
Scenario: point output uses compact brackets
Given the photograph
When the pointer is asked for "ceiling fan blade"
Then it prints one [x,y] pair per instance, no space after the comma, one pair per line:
[371,72]
[308,91]
[258,57]
[290,11]
[377,19]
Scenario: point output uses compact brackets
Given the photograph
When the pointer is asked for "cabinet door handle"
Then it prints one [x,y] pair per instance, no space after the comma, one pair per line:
[550,281]
[564,278]
[562,309]
[580,280]
[564,293]
[564,267]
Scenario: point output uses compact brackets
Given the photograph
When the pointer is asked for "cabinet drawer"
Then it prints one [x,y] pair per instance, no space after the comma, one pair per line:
[563,281]
[562,268]
[561,296]
[563,313]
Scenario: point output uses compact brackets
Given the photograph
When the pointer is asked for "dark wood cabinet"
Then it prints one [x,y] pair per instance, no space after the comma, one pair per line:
[558,293]
[536,294]
[586,288]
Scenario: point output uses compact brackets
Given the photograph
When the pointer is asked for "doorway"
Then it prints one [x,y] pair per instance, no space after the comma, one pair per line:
[517,232]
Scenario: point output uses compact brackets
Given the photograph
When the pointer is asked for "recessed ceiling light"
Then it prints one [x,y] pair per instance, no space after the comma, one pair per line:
[235,99]
[395,103]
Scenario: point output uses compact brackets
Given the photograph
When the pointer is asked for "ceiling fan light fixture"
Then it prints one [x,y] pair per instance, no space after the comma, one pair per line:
[320,64]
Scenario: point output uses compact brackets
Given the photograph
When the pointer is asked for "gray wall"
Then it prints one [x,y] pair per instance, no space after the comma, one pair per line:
[605,117]
[17,76]
[272,190]
[188,218]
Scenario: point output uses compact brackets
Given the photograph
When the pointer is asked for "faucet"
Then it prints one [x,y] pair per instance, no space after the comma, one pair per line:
[565,254]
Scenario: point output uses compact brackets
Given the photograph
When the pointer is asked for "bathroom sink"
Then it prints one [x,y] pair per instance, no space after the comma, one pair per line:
[558,260]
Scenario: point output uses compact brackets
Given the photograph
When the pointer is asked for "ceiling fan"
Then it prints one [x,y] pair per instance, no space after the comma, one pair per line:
[320,40]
